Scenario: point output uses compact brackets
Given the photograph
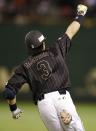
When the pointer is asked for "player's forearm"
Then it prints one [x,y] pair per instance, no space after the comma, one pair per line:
[75,25]
[11,102]
[11,99]
[10,95]
[72,29]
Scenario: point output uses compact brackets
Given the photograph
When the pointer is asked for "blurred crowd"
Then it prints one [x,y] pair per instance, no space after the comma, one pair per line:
[41,11]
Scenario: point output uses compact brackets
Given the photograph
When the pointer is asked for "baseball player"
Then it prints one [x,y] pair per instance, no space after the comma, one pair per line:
[46,72]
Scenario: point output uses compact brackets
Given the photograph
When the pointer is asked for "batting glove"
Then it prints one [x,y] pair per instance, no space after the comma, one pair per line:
[16,114]
[81,9]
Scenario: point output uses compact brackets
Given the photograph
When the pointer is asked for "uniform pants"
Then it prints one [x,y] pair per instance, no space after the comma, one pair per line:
[50,108]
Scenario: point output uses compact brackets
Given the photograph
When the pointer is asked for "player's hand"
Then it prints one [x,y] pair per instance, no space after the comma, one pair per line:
[65,117]
[81,9]
[16,114]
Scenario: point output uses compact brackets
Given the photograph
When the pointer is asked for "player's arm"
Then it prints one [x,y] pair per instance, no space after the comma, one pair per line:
[9,94]
[11,89]
[75,25]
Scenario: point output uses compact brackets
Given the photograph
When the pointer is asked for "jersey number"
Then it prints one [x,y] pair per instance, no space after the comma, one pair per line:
[44,69]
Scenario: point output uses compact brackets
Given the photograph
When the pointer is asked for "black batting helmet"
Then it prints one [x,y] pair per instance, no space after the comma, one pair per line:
[34,39]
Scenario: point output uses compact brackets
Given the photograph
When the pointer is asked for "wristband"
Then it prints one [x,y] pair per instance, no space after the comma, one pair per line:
[79,18]
[13,107]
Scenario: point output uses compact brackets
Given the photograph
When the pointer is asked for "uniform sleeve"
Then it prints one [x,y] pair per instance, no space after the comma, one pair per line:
[64,44]
[18,79]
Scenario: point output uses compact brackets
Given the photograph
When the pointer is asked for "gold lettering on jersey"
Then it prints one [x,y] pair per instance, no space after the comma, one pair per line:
[33,60]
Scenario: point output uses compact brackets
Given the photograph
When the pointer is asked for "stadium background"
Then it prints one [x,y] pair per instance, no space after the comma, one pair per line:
[51,17]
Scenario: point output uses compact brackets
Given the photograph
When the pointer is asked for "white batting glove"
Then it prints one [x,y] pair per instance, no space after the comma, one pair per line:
[81,9]
[16,114]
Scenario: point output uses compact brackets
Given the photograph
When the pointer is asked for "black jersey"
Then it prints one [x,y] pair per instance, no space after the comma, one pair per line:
[45,72]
